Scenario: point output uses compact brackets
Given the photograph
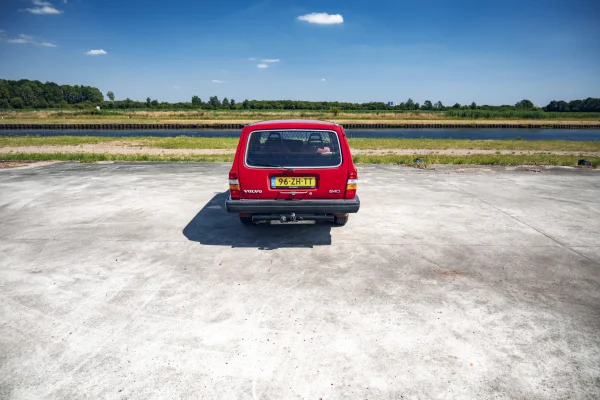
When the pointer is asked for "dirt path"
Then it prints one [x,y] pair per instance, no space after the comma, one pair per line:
[474,151]
[111,148]
[102,148]
[17,164]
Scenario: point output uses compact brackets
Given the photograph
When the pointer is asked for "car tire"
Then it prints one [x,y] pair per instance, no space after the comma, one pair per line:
[341,221]
[246,221]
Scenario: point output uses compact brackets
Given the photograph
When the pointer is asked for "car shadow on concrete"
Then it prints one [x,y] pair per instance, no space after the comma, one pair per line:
[213,225]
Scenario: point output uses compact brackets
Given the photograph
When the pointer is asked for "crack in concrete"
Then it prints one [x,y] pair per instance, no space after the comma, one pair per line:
[561,244]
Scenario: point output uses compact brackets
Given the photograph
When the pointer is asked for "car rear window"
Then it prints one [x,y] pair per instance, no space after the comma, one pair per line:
[293,148]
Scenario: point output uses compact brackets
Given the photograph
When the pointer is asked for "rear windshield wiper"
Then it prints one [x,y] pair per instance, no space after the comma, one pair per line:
[272,166]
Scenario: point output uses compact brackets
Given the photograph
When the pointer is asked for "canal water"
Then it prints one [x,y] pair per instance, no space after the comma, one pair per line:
[450,133]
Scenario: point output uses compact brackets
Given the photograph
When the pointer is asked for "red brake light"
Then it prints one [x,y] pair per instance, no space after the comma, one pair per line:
[234,185]
[351,185]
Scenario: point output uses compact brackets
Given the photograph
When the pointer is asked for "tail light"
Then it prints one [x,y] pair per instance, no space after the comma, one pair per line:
[351,185]
[234,185]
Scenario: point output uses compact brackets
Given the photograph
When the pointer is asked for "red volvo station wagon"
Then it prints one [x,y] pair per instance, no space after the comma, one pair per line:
[291,171]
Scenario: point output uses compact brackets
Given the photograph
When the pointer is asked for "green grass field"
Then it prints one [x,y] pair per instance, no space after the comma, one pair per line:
[541,159]
[186,142]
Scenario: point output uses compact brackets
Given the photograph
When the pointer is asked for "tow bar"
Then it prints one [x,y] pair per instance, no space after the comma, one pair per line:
[285,218]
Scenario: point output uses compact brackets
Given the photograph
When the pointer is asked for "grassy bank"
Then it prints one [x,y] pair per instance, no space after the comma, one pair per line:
[475,159]
[541,159]
[258,115]
[247,116]
[185,142]
[444,144]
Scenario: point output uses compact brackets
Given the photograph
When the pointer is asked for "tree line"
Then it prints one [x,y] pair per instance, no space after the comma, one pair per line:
[28,94]
[35,94]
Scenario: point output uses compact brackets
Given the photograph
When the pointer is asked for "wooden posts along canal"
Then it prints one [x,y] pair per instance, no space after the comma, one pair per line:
[180,126]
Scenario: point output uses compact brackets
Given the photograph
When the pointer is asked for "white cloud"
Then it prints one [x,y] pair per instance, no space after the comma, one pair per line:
[270,60]
[95,52]
[252,59]
[22,39]
[323,80]
[175,87]
[322,18]
[263,65]
[17,41]
[218,81]
[28,39]
[2,32]
[44,8]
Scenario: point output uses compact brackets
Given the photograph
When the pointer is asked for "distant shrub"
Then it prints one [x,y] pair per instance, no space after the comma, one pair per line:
[335,110]
[516,114]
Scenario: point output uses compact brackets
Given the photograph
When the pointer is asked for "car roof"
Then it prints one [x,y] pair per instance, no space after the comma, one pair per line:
[293,123]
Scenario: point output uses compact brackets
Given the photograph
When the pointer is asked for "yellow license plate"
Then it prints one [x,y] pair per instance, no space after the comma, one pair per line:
[293,182]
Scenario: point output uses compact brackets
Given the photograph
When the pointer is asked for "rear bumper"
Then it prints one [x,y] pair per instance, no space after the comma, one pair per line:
[292,206]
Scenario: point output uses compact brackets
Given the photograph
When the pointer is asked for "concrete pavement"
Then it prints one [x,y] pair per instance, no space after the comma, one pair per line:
[130,281]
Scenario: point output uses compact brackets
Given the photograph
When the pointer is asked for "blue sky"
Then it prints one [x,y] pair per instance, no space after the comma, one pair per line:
[459,51]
